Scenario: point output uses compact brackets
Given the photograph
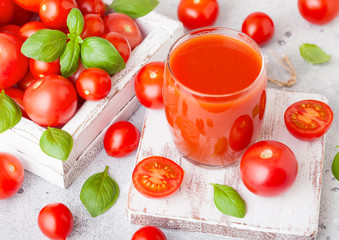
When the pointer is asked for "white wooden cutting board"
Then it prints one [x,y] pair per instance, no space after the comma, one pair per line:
[293,215]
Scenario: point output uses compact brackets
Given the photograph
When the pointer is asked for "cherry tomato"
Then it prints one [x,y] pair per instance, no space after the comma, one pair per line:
[50,101]
[92,6]
[30,28]
[93,84]
[29,5]
[17,95]
[121,139]
[124,25]
[11,175]
[148,85]
[94,26]
[157,177]
[21,16]
[149,233]
[11,29]
[26,80]
[6,11]
[318,11]
[13,63]
[41,69]
[120,43]
[258,26]
[268,168]
[53,13]
[55,221]
[241,133]
[308,119]
[195,14]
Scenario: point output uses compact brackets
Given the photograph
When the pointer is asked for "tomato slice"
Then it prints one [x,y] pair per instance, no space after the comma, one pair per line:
[157,176]
[308,119]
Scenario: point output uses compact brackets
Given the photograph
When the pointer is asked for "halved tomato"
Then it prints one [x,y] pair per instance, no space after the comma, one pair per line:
[308,119]
[157,177]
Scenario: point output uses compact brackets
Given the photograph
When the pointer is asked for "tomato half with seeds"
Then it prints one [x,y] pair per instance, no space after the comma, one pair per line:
[308,119]
[157,177]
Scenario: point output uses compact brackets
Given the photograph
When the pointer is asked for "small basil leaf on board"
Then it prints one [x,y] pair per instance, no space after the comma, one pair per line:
[69,59]
[335,166]
[75,21]
[228,201]
[99,192]
[313,54]
[10,112]
[100,53]
[134,8]
[45,45]
[56,143]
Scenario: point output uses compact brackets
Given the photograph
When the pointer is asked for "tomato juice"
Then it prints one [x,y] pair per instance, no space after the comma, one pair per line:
[214,95]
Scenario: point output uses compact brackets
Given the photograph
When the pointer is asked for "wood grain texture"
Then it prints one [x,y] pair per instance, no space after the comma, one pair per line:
[90,120]
[293,215]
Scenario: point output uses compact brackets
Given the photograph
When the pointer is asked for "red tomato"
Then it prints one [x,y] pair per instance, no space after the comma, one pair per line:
[30,28]
[21,16]
[120,43]
[13,63]
[93,84]
[11,175]
[50,101]
[26,80]
[73,78]
[258,26]
[17,95]
[41,69]
[241,133]
[55,221]
[92,6]
[262,104]
[308,119]
[30,5]
[11,29]
[148,85]
[268,168]
[318,11]
[94,26]
[53,13]
[6,11]
[149,233]
[195,14]
[121,139]
[124,25]
[157,177]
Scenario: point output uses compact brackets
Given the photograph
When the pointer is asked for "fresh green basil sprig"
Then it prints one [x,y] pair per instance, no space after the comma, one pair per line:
[228,201]
[134,8]
[10,112]
[313,54]
[48,45]
[99,193]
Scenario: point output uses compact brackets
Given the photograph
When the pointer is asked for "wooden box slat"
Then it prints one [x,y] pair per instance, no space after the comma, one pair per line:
[293,215]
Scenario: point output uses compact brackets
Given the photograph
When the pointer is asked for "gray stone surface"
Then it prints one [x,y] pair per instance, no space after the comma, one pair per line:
[18,215]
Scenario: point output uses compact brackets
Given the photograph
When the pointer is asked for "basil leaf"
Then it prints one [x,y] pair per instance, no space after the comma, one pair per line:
[45,45]
[98,193]
[335,166]
[75,21]
[313,54]
[134,8]
[228,201]
[100,53]
[56,143]
[69,60]
[10,112]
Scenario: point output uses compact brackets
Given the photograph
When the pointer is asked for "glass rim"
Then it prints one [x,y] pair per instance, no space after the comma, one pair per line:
[174,46]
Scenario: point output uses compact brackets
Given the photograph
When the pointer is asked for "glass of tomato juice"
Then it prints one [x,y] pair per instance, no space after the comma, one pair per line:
[214,95]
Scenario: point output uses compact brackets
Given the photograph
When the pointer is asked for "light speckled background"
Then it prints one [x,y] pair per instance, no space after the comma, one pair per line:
[18,215]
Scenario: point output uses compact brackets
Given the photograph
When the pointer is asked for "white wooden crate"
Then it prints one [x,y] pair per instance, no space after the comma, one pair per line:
[293,215]
[85,127]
